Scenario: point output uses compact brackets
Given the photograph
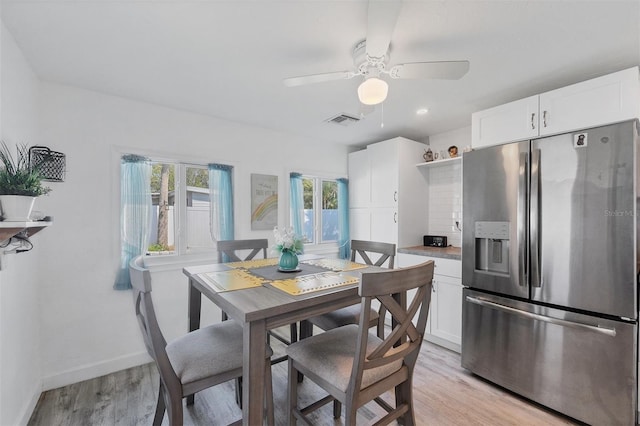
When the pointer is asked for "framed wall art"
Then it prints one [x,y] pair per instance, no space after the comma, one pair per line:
[264,202]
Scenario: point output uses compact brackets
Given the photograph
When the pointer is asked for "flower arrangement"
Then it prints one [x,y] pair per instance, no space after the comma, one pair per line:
[287,240]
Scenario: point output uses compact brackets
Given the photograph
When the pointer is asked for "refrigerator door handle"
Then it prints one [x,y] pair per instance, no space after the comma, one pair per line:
[523,172]
[596,328]
[534,220]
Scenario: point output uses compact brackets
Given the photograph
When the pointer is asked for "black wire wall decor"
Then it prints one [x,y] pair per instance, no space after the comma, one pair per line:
[51,164]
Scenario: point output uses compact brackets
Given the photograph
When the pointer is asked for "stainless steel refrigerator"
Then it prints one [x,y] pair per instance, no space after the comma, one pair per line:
[550,266]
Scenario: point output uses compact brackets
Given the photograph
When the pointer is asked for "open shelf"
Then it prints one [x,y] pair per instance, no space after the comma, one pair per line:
[9,229]
[437,163]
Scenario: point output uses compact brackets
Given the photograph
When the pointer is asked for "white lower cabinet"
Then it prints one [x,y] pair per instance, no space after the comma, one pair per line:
[360,223]
[444,324]
[384,224]
[446,309]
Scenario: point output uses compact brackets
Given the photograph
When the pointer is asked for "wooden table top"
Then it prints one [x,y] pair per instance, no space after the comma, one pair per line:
[267,302]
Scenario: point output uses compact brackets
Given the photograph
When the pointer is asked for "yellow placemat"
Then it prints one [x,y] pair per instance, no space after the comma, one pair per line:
[233,279]
[254,263]
[336,264]
[315,282]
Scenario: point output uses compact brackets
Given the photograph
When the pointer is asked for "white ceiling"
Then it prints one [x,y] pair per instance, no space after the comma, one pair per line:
[228,58]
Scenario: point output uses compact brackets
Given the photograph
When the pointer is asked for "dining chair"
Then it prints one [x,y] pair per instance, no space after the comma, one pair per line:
[230,248]
[351,314]
[228,251]
[191,363]
[353,365]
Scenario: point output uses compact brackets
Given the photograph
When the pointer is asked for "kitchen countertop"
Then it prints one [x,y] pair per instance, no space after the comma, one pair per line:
[446,252]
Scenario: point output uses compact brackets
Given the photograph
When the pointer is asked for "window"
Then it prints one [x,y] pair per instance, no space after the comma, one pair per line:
[320,199]
[180,201]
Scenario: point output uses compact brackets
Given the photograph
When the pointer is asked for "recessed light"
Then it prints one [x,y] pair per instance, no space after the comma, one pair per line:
[422,111]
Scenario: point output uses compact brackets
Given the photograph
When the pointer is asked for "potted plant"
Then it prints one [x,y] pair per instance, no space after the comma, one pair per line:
[20,184]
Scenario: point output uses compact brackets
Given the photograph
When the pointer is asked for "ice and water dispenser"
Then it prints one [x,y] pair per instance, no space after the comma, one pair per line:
[492,247]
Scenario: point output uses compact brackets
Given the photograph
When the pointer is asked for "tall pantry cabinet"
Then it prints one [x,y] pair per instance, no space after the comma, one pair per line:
[387,193]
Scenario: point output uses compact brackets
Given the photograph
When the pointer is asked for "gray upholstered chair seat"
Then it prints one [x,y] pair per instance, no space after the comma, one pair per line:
[344,316]
[190,355]
[330,356]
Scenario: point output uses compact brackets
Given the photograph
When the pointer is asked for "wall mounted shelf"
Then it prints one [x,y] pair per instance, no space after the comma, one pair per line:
[10,229]
[437,163]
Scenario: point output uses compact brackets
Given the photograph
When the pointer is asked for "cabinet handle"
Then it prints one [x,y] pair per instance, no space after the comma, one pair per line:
[544,118]
[433,285]
[395,217]
[395,196]
[533,116]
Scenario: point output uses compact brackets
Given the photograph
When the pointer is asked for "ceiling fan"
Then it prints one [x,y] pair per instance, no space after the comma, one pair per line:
[371,57]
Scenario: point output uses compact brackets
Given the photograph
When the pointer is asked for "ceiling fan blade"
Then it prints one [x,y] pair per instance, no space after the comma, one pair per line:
[318,78]
[383,15]
[445,70]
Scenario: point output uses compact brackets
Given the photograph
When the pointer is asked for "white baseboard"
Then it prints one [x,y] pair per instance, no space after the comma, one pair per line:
[91,371]
[27,409]
[442,342]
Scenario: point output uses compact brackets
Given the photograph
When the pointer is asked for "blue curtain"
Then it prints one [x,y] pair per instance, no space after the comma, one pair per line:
[221,198]
[297,203]
[344,240]
[135,213]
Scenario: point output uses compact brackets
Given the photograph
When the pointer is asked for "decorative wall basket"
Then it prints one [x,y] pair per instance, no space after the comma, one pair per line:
[51,163]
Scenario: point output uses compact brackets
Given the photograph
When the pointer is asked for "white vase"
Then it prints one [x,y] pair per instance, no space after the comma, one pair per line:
[16,208]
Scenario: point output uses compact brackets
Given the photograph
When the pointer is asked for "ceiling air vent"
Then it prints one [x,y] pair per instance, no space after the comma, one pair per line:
[343,119]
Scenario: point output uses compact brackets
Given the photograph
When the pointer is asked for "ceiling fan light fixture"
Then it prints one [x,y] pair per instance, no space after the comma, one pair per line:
[373,91]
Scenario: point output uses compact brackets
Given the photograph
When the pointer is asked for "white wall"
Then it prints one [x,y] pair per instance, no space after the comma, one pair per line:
[20,372]
[87,328]
[459,137]
[445,186]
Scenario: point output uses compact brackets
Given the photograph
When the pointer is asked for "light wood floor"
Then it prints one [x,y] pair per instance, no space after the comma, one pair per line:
[444,394]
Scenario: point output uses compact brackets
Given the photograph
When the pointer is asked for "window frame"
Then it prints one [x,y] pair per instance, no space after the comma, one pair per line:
[318,246]
[181,257]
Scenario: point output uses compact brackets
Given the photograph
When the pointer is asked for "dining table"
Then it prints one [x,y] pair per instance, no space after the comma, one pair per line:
[261,297]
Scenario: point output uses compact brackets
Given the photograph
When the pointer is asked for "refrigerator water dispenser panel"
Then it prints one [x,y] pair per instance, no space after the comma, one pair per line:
[492,247]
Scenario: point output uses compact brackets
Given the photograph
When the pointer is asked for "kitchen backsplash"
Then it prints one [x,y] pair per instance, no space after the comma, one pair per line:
[445,202]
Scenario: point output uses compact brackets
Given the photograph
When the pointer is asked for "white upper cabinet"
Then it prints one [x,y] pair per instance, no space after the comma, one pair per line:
[387,193]
[359,179]
[383,158]
[604,100]
[505,123]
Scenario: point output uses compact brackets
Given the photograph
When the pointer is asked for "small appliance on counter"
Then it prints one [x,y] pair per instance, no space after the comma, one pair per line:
[435,241]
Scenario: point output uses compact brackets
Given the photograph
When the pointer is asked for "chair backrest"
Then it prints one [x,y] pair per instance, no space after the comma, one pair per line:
[151,333]
[404,341]
[229,248]
[387,251]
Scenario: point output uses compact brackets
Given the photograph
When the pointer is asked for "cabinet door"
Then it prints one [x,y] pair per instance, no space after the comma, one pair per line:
[446,308]
[604,100]
[510,122]
[384,225]
[360,224]
[359,179]
[383,160]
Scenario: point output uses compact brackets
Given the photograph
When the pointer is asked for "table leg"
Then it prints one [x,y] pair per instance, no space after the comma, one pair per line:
[195,306]
[253,365]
